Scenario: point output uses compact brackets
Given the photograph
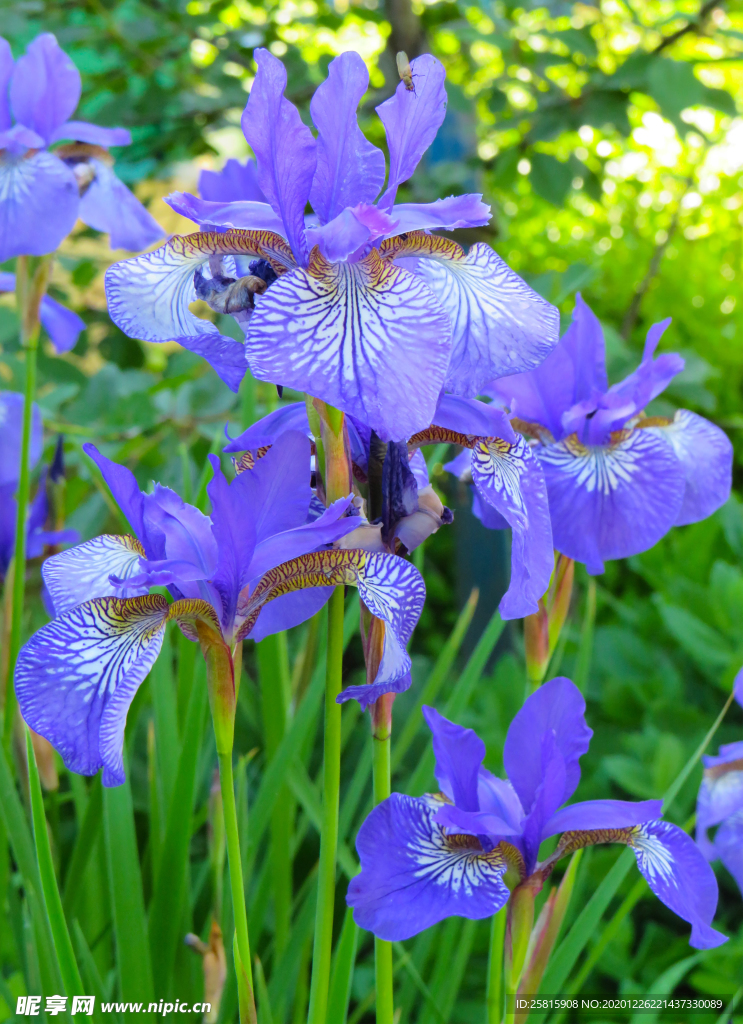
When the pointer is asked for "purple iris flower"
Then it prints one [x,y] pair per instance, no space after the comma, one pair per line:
[44,191]
[77,676]
[37,536]
[62,325]
[357,304]
[427,858]
[617,480]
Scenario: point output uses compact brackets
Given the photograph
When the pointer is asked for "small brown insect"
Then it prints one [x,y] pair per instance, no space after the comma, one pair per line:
[405,71]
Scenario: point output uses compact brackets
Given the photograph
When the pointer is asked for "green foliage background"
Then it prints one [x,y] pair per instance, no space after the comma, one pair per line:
[607,138]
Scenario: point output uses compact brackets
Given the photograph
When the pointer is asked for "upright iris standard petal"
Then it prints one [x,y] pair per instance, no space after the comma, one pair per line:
[678,874]
[39,203]
[233,183]
[77,676]
[557,707]
[706,455]
[611,501]
[459,755]
[82,573]
[499,324]
[108,205]
[148,296]
[584,343]
[367,337]
[413,875]
[124,489]
[284,147]
[45,87]
[235,534]
[11,435]
[350,170]
[411,119]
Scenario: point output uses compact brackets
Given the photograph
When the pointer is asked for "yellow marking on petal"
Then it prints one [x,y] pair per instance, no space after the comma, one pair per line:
[440,435]
[189,611]
[316,569]
[248,460]
[532,429]
[265,245]
[371,272]
[718,770]
[653,421]
[418,243]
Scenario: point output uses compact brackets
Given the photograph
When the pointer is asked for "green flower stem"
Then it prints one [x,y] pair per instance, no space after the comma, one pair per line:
[242,944]
[381,776]
[323,944]
[273,670]
[495,967]
[29,292]
[52,901]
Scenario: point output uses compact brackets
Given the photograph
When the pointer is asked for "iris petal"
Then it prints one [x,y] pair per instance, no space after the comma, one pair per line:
[706,454]
[39,203]
[466,211]
[82,573]
[500,325]
[509,477]
[232,214]
[459,754]
[11,434]
[284,147]
[148,296]
[45,87]
[77,676]
[6,71]
[367,337]
[108,205]
[413,875]
[234,182]
[93,134]
[350,170]
[611,501]
[62,325]
[411,118]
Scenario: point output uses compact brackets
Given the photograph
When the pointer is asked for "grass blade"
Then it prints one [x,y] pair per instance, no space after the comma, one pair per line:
[666,983]
[127,900]
[436,679]
[341,975]
[52,901]
[460,697]
[170,894]
[22,845]
[87,837]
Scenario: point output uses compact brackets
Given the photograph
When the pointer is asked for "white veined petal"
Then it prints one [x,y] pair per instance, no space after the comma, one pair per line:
[77,676]
[82,573]
[500,326]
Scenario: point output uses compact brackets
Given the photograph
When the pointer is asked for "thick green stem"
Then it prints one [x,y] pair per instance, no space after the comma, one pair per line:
[273,669]
[495,967]
[29,293]
[381,739]
[323,945]
[242,945]
[520,920]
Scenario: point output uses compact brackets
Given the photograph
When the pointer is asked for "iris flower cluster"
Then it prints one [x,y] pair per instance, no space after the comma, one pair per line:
[44,190]
[417,343]
[78,675]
